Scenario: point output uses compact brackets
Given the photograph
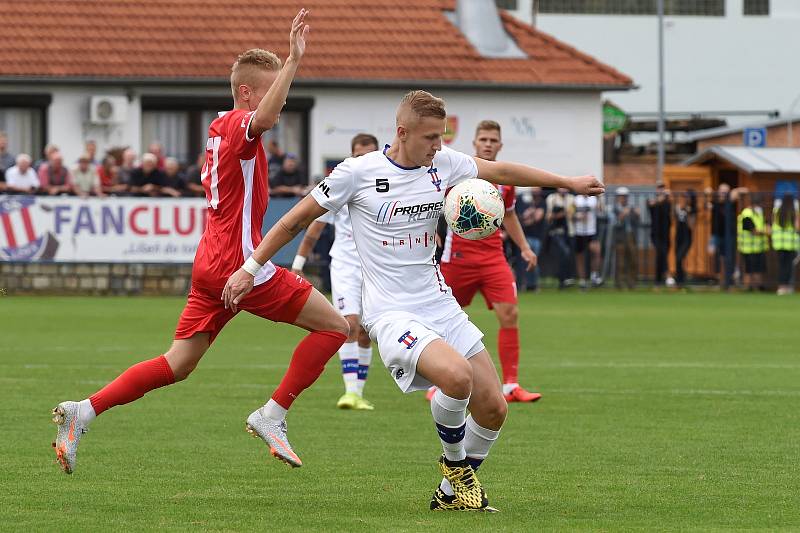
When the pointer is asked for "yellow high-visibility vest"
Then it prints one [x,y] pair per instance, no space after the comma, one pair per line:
[747,241]
[784,237]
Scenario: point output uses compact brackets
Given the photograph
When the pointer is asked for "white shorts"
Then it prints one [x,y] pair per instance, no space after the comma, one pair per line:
[346,287]
[402,336]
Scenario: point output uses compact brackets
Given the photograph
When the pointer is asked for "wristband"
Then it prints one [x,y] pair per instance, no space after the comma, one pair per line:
[299,262]
[251,266]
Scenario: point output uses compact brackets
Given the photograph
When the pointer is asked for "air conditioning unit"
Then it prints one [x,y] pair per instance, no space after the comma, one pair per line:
[108,109]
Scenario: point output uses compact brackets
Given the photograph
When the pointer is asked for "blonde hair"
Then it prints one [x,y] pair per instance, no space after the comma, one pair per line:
[246,66]
[422,104]
[488,125]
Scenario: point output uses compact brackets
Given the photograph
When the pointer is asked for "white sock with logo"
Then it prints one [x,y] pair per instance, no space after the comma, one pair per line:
[364,360]
[348,355]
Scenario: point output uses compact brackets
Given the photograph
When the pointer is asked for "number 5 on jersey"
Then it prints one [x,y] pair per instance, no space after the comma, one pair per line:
[382,185]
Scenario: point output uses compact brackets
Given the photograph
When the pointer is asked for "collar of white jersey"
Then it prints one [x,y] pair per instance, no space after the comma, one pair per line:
[395,163]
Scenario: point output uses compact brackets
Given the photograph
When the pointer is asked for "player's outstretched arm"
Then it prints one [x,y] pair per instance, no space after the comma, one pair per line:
[309,240]
[272,103]
[300,216]
[506,173]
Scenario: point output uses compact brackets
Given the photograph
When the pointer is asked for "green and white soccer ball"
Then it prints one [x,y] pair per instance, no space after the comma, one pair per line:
[474,209]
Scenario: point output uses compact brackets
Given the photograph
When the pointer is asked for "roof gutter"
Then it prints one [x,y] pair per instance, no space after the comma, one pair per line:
[320,82]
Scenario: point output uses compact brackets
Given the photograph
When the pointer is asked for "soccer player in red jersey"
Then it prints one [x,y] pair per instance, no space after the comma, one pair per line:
[235,181]
[472,266]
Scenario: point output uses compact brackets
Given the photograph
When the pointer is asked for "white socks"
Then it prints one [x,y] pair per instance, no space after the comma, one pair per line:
[478,441]
[273,411]
[85,412]
[508,387]
[348,354]
[364,360]
[449,414]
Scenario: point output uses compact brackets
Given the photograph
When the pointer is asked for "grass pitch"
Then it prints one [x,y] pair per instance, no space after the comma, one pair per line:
[660,412]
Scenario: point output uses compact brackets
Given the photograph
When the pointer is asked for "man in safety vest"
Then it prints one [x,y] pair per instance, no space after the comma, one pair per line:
[751,241]
[786,240]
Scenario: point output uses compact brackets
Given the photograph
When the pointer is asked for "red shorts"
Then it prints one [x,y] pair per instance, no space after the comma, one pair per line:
[279,299]
[496,282]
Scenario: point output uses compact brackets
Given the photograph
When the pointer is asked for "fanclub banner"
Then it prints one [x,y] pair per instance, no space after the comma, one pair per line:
[119,230]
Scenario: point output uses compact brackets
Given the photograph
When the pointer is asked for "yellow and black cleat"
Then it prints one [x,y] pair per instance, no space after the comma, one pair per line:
[468,490]
[443,502]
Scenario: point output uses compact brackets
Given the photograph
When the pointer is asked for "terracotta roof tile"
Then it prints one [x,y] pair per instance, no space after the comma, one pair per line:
[351,41]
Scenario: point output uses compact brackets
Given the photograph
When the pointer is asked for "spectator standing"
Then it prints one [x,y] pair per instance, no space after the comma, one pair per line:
[587,246]
[147,180]
[626,227]
[660,224]
[21,178]
[86,178]
[560,207]
[48,152]
[786,240]
[685,214]
[275,157]
[90,149]
[157,149]
[752,241]
[291,180]
[54,177]
[194,177]
[174,179]
[531,209]
[6,159]
[126,168]
[109,176]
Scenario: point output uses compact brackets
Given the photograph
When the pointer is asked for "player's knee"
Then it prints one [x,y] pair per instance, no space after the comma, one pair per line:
[508,316]
[340,325]
[182,369]
[458,383]
[353,328]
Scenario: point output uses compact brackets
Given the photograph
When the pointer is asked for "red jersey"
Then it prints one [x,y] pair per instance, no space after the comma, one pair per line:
[458,249]
[234,177]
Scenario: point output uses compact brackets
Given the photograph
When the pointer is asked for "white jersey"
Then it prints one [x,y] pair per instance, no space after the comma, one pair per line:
[344,247]
[394,211]
[585,215]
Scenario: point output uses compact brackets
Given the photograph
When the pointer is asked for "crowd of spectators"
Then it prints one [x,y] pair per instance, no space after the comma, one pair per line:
[123,172]
[575,235]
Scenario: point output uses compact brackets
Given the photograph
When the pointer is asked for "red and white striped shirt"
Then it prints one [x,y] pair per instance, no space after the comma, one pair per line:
[235,180]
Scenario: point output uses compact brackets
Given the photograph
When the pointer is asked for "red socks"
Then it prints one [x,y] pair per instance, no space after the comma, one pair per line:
[134,383]
[308,362]
[508,350]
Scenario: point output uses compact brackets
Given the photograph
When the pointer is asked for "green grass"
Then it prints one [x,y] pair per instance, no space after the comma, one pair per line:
[660,412]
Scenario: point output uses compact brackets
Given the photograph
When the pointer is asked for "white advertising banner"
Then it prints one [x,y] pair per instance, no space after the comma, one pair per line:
[120,230]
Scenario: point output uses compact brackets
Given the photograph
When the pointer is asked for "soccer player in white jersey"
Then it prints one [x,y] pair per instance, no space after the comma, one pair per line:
[395,197]
[356,353]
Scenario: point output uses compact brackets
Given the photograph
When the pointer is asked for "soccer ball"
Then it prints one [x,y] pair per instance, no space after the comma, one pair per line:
[474,209]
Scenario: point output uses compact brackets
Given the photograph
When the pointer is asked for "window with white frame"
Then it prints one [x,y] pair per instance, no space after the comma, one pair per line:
[698,8]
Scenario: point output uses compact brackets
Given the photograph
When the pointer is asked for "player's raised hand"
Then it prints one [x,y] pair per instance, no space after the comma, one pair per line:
[236,288]
[297,37]
[588,185]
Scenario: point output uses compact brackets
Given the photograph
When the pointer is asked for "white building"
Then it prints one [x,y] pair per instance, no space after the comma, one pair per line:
[132,83]
[720,55]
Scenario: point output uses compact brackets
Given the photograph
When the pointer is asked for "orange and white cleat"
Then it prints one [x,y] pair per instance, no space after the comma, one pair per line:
[274,434]
[518,394]
[70,431]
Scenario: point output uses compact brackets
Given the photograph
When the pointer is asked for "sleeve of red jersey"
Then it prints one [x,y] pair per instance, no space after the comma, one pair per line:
[239,139]
[509,197]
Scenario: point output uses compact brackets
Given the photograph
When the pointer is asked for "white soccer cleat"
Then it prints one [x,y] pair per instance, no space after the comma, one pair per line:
[274,434]
[70,430]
